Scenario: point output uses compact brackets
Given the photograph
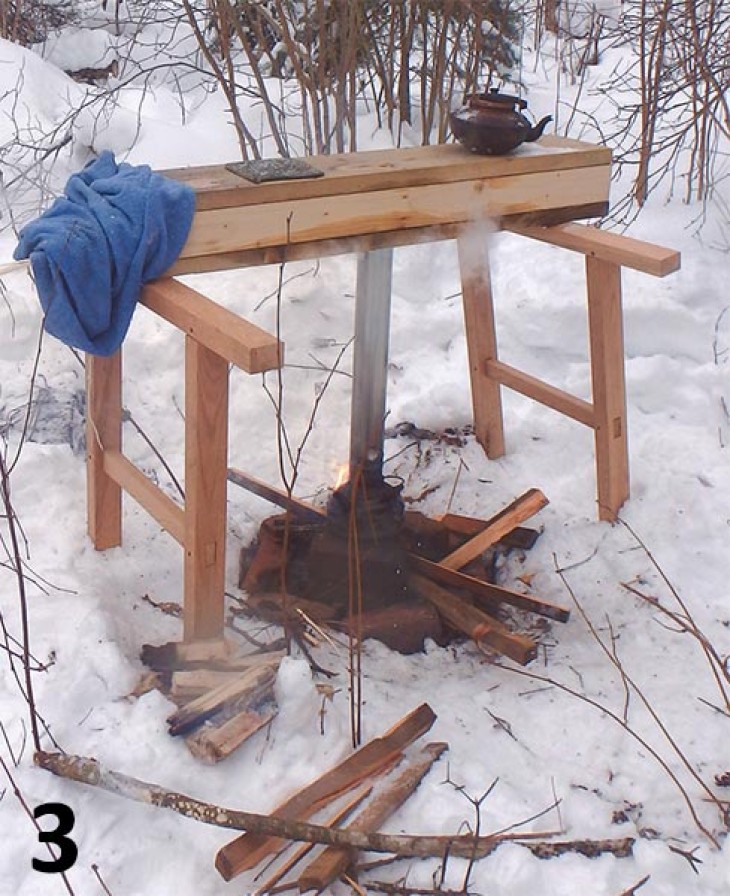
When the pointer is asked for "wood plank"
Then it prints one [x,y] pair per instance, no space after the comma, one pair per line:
[248,687]
[492,595]
[481,341]
[212,743]
[613,247]
[103,434]
[187,684]
[550,396]
[248,850]
[347,173]
[206,464]
[159,505]
[605,320]
[475,623]
[322,218]
[517,512]
[228,335]
[334,861]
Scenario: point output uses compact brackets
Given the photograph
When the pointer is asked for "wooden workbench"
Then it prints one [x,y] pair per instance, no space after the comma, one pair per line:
[366,202]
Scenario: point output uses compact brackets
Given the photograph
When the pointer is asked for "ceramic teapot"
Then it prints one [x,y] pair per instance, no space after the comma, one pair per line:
[492,124]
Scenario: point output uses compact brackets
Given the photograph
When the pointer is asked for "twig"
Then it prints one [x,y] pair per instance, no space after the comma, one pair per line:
[95,869]
[631,891]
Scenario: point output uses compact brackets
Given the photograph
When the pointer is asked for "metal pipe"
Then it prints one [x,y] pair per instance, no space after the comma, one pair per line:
[370,362]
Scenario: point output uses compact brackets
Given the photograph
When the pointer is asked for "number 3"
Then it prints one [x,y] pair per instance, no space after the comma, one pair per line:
[69,850]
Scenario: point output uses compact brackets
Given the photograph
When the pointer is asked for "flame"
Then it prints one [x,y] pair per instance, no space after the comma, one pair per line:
[343,474]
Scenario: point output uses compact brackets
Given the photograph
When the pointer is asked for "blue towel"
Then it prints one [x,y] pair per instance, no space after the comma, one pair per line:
[117,227]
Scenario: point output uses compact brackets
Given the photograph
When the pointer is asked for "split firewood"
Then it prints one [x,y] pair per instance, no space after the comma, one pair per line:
[249,849]
[187,684]
[276,496]
[87,770]
[334,861]
[211,742]
[475,622]
[303,851]
[493,595]
[251,686]
[177,654]
[517,512]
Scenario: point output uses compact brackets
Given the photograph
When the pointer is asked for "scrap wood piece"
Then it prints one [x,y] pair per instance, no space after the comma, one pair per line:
[250,686]
[475,622]
[180,654]
[247,850]
[187,684]
[486,591]
[334,861]
[213,742]
[517,512]
[276,496]
[337,818]
[87,770]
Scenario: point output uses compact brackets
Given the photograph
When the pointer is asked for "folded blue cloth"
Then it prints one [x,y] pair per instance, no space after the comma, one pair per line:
[116,227]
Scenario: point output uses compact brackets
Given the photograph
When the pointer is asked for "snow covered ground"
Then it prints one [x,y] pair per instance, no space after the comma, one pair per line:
[542,743]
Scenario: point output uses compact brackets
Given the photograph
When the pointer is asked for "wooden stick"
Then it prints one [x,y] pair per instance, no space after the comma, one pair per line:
[487,592]
[276,496]
[87,770]
[293,860]
[247,850]
[334,861]
[250,686]
[475,622]
[517,512]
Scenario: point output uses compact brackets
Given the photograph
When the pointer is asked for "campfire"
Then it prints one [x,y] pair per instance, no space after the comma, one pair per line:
[366,565]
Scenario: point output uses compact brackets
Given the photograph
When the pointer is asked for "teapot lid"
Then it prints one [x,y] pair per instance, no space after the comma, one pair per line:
[506,99]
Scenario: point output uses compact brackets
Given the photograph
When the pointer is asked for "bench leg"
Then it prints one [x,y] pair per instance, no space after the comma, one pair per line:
[605,323]
[103,433]
[481,340]
[206,464]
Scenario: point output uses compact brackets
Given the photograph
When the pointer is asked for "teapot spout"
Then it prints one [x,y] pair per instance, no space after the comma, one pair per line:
[536,132]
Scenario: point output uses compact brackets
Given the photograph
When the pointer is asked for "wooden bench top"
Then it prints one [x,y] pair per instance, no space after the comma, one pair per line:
[387,193]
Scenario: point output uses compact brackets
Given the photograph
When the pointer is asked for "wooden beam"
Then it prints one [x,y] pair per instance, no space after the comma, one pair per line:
[167,513]
[332,217]
[103,434]
[551,396]
[276,496]
[605,320]
[517,512]
[493,595]
[236,340]
[475,623]
[247,850]
[605,245]
[481,340]
[383,169]
[206,464]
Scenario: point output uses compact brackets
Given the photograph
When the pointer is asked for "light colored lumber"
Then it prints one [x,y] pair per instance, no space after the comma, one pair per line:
[475,623]
[206,464]
[248,687]
[223,332]
[550,396]
[187,684]
[167,513]
[212,743]
[334,861]
[486,591]
[373,170]
[248,850]
[605,319]
[181,654]
[481,341]
[302,851]
[103,434]
[521,509]
[603,244]
[323,218]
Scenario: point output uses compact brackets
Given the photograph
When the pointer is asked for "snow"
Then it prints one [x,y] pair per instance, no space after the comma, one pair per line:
[88,619]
